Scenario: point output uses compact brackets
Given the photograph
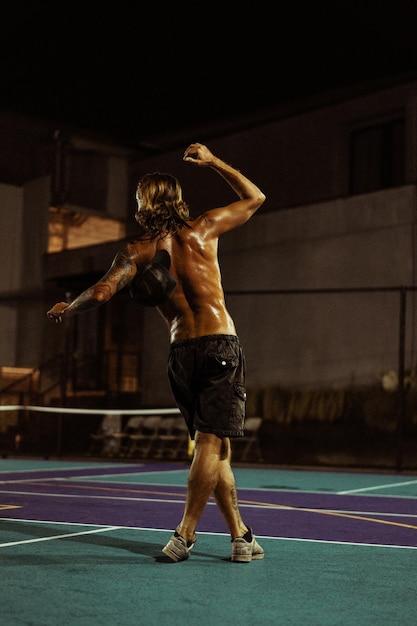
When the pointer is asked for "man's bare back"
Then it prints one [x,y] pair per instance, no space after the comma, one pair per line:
[196,306]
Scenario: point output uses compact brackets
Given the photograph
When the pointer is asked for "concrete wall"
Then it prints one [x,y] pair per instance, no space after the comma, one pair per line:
[331,338]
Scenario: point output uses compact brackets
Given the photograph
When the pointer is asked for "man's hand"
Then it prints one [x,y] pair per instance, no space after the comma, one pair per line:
[55,313]
[199,155]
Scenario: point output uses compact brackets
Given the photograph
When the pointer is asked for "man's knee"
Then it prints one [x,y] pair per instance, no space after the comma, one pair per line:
[207,439]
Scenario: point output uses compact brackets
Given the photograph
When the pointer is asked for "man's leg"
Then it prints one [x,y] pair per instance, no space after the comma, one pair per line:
[202,480]
[210,473]
[245,548]
[226,495]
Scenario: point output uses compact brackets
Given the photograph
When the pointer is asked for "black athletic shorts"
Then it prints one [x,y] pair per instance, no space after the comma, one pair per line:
[207,377]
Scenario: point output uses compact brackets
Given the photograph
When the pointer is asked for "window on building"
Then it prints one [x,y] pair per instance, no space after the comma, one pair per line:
[377,157]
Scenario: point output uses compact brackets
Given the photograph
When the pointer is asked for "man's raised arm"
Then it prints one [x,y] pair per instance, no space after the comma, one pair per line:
[200,155]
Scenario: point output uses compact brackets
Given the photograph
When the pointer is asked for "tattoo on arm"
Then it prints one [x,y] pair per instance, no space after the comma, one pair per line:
[118,276]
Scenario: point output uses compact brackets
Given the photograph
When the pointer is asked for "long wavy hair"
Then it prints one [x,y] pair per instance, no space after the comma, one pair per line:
[161,209]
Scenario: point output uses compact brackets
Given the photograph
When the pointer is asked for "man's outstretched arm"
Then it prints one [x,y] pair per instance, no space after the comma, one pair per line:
[118,276]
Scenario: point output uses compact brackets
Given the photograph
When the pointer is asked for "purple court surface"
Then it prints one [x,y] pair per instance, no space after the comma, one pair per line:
[321,506]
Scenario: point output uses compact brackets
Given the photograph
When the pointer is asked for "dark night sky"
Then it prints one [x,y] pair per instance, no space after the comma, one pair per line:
[138,71]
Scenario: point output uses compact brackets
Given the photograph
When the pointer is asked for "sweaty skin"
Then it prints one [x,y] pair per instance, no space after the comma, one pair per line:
[197,306]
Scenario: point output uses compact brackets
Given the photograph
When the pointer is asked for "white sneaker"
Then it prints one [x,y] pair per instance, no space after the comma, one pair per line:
[244,551]
[177,548]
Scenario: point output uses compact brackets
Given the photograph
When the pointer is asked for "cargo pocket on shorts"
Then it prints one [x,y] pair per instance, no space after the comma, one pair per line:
[239,402]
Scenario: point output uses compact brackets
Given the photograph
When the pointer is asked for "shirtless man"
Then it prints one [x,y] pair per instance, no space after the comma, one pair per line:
[206,364]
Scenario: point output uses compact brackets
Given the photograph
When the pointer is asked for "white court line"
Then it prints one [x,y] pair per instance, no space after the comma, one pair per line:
[97,479]
[35,470]
[165,530]
[346,543]
[38,539]
[376,487]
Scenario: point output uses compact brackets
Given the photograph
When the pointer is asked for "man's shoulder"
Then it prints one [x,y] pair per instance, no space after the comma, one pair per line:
[201,221]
